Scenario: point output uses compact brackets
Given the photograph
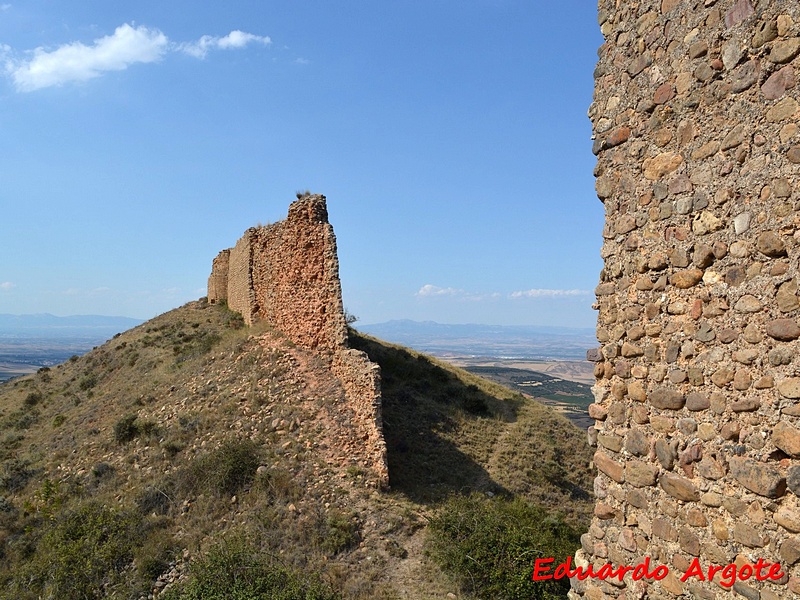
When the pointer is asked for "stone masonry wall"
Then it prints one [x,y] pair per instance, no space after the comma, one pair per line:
[287,274]
[218,280]
[697,400]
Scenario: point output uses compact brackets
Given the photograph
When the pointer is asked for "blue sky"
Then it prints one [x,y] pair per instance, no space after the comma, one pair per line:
[450,137]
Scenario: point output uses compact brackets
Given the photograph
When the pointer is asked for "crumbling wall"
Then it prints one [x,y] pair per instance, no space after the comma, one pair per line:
[287,274]
[218,280]
[295,275]
[698,375]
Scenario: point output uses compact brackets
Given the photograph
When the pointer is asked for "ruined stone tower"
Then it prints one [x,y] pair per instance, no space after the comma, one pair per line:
[697,401]
[287,274]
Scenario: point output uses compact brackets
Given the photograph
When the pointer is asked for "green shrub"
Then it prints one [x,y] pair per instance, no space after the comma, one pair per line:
[88,382]
[341,533]
[125,429]
[82,553]
[102,469]
[15,474]
[33,398]
[490,546]
[235,570]
[222,471]
[153,500]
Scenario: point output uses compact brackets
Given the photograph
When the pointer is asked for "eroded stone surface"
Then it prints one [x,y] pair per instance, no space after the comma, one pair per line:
[698,299]
[287,273]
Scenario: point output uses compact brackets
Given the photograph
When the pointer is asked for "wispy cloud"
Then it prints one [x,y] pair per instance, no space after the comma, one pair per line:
[435,290]
[128,45]
[235,39]
[7,285]
[544,293]
[5,7]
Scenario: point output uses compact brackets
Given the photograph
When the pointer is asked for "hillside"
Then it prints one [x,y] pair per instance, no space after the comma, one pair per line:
[192,439]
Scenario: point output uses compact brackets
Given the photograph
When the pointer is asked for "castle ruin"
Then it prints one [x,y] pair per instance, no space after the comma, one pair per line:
[697,398]
[287,274]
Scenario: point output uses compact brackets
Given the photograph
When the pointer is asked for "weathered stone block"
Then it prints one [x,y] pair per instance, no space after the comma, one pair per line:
[738,13]
[596,411]
[784,50]
[663,528]
[749,536]
[666,398]
[790,550]
[770,244]
[788,517]
[783,110]
[667,453]
[787,438]
[689,542]
[610,441]
[744,76]
[679,488]
[766,31]
[609,466]
[666,162]
[618,136]
[783,329]
[777,83]
[637,443]
[640,474]
[757,477]
[710,469]
[745,405]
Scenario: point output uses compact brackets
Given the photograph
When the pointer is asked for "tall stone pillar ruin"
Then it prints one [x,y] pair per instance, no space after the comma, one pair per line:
[287,274]
[697,399]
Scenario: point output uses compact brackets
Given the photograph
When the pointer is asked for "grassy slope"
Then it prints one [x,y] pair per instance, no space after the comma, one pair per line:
[145,424]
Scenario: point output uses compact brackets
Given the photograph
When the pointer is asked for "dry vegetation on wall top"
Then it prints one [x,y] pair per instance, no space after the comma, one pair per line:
[192,457]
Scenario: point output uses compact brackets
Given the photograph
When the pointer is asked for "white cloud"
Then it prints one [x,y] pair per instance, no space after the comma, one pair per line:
[543,293]
[78,62]
[235,39]
[128,45]
[302,61]
[435,290]
[7,285]
[5,7]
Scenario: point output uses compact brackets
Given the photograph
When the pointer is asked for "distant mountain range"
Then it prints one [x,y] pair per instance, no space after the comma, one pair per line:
[45,325]
[529,342]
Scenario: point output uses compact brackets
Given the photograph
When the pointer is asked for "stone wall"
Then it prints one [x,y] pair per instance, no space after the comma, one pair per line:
[218,280]
[287,274]
[697,400]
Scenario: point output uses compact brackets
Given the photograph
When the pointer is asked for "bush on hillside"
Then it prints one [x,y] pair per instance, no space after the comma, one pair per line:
[235,569]
[222,471]
[82,554]
[490,546]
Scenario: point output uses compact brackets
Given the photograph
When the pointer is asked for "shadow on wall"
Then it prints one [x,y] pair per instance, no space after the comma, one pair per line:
[420,405]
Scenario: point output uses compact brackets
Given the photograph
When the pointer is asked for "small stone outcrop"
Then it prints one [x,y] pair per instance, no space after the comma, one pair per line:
[287,274]
[697,400]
